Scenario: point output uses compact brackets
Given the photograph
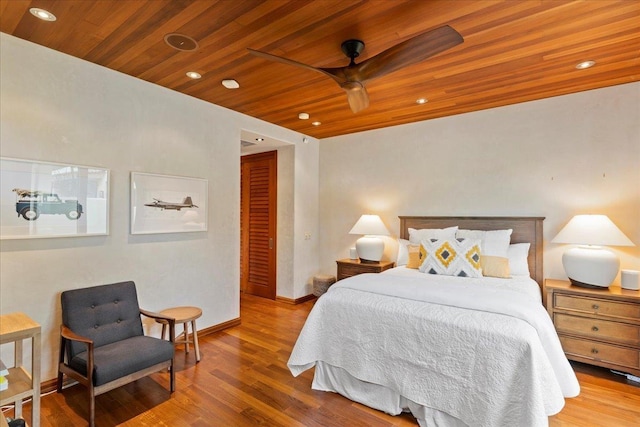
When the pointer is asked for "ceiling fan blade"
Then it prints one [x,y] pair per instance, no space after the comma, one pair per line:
[326,72]
[408,52]
[357,95]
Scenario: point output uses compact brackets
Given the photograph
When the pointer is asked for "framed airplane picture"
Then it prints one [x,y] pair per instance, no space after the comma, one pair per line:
[167,204]
[42,199]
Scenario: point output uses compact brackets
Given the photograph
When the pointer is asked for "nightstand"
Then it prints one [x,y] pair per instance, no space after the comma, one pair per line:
[596,326]
[351,267]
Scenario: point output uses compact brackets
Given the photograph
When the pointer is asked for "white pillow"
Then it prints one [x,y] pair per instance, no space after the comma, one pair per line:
[494,242]
[518,254]
[403,252]
[417,236]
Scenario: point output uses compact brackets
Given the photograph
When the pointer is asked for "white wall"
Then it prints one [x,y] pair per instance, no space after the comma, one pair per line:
[555,158]
[57,108]
[307,242]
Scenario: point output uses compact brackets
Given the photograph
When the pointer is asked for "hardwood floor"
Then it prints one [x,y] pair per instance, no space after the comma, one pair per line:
[243,380]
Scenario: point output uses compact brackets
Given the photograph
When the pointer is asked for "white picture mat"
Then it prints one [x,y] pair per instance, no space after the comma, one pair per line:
[170,192]
[87,185]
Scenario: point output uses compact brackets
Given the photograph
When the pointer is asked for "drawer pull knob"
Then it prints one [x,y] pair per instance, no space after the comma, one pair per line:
[594,329]
[595,306]
[594,350]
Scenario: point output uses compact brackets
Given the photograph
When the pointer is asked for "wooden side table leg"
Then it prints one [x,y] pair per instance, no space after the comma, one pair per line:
[35,379]
[18,362]
[194,331]
[186,337]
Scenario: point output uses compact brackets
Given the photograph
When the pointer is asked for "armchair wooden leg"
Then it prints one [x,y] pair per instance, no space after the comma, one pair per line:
[59,382]
[92,407]
[60,362]
[172,376]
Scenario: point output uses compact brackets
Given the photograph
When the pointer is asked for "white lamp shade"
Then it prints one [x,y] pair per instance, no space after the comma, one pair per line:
[370,247]
[591,266]
[370,225]
[592,230]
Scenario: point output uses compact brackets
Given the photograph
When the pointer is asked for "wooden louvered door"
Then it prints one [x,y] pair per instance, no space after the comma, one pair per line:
[258,224]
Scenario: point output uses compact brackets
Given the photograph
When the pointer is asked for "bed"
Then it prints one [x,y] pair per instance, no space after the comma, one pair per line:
[454,351]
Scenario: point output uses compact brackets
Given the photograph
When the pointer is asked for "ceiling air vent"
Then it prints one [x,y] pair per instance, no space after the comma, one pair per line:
[247,143]
[181,42]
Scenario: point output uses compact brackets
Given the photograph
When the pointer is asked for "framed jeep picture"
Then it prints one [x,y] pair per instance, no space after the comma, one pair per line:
[39,199]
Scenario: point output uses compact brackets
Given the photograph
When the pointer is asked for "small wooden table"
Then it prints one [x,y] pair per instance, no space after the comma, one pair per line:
[596,326]
[184,315]
[351,267]
[17,327]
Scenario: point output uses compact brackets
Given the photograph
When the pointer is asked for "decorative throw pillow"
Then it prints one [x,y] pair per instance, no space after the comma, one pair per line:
[417,254]
[418,235]
[452,257]
[495,266]
[494,244]
[518,254]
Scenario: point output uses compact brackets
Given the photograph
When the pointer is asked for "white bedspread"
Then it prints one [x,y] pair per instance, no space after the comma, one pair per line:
[481,352]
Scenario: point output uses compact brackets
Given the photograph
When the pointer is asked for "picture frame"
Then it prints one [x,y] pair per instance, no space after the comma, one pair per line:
[168,204]
[44,199]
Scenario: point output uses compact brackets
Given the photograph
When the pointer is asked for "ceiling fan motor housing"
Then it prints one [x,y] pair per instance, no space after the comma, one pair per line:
[352,48]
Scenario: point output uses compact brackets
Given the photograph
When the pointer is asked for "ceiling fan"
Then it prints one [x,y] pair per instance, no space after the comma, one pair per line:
[352,77]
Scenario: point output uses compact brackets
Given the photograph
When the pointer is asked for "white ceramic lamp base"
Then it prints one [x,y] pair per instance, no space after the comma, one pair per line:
[370,248]
[591,266]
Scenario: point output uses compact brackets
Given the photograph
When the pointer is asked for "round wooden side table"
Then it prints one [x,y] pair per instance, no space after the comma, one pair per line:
[184,315]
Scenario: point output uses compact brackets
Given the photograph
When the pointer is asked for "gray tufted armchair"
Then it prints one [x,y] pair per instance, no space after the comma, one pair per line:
[103,340]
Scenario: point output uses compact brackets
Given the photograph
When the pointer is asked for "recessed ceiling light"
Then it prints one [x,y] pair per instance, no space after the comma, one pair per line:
[421,101]
[230,84]
[303,116]
[193,75]
[181,42]
[42,14]
[316,123]
[585,64]
[259,139]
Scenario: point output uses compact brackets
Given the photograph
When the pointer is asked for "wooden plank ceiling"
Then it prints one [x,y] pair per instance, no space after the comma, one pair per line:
[513,51]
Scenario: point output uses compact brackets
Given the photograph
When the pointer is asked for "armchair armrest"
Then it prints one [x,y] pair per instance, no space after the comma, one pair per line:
[163,319]
[70,335]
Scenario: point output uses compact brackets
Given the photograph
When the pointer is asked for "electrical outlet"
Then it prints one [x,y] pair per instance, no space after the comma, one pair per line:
[307,236]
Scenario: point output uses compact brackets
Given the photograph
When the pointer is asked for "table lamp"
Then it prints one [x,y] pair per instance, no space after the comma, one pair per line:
[370,247]
[589,264]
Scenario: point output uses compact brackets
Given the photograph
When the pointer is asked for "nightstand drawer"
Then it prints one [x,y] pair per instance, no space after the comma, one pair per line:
[621,356]
[598,329]
[597,306]
[350,270]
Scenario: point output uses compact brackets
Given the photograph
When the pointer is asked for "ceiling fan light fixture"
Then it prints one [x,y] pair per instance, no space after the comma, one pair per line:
[585,64]
[230,84]
[303,116]
[45,15]
[193,75]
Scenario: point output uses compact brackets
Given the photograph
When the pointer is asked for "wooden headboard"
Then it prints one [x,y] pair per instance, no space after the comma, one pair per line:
[525,230]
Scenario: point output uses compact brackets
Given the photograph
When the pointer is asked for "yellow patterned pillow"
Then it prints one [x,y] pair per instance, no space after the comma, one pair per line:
[495,266]
[452,257]
[416,256]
